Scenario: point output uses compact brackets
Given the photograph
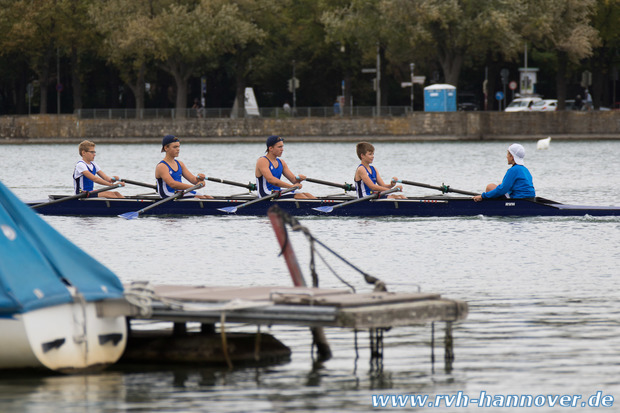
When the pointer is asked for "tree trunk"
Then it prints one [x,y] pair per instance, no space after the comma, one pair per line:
[384,78]
[599,78]
[181,101]
[240,92]
[137,89]
[560,80]
[181,74]
[451,64]
[21,98]
[75,80]
[43,84]
[493,71]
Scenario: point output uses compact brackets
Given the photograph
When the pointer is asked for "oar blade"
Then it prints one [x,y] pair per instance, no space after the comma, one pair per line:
[130,215]
[228,210]
[326,209]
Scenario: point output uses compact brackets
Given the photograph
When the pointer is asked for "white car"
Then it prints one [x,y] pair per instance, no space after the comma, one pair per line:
[521,104]
[546,105]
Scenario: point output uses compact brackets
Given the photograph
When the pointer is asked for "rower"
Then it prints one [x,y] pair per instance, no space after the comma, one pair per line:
[169,171]
[517,182]
[87,172]
[367,178]
[270,168]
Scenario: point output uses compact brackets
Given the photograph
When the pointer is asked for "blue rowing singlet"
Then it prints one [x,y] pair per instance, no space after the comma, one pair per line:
[80,182]
[360,187]
[162,188]
[264,187]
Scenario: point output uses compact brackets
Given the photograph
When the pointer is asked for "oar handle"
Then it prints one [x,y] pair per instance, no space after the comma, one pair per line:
[84,194]
[129,181]
[443,188]
[367,197]
[345,186]
[276,194]
[171,197]
[387,191]
[249,185]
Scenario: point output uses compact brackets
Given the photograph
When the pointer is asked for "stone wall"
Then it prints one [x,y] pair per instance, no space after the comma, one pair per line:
[420,126]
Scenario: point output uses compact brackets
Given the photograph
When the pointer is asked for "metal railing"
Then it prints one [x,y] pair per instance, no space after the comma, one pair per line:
[214,113]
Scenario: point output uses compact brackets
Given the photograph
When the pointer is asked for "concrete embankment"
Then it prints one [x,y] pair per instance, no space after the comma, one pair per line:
[417,127]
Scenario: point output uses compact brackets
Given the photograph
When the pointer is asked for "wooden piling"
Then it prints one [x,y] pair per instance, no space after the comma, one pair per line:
[318,334]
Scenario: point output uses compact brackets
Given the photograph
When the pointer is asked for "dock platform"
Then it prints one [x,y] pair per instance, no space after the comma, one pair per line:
[302,306]
[219,306]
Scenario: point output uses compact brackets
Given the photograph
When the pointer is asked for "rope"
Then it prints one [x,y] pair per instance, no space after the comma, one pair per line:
[296,226]
[141,295]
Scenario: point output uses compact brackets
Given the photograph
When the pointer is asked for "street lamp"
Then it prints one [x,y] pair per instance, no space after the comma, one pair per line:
[411,66]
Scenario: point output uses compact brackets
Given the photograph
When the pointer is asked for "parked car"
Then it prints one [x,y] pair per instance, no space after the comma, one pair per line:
[522,104]
[545,105]
[467,106]
[467,101]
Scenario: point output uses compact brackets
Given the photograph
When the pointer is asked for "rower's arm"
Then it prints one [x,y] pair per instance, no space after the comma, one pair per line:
[95,178]
[290,175]
[262,168]
[363,175]
[162,172]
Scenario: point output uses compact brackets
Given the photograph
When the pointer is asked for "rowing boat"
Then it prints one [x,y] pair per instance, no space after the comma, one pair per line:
[429,206]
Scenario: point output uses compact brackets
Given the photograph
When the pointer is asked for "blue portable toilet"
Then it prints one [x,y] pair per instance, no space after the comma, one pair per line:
[440,98]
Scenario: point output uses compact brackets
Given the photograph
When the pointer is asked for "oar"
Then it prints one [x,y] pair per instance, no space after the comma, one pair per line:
[77,196]
[442,188]
[266,198]
[249,185]
[345,186]
[136,214]
[329,209]
[129,181]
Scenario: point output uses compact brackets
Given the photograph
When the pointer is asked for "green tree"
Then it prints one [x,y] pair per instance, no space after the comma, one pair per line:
[456,30]
[365,24]
[179,36]
[77,38]
[561,27]
[189,36]
[126,43]
[605,62]
[30,29]
[267,18]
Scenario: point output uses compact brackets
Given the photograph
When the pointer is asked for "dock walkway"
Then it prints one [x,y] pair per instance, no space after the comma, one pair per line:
[315,308]
[302,306]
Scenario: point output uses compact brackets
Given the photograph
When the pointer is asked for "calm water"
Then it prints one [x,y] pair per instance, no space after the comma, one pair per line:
[544,293]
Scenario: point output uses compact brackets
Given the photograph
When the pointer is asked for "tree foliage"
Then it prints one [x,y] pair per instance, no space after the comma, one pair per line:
[165,42]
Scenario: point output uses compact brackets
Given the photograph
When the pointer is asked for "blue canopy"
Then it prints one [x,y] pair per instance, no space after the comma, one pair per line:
[37,263]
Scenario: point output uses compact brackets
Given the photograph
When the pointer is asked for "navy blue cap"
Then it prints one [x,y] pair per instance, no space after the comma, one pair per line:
[168,139]
[272,140]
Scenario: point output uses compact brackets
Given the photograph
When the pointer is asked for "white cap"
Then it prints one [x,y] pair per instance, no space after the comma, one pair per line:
[518,153]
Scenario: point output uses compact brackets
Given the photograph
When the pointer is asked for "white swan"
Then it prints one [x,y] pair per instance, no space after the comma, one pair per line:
[543,143]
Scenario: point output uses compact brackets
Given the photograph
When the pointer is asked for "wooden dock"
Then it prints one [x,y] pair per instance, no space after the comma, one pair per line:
[219,306]
[303,306]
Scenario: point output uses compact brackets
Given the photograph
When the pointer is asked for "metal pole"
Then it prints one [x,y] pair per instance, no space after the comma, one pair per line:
[294,91]
[378,80]
[343,100]
[411,66]
[29,90]
[57,80]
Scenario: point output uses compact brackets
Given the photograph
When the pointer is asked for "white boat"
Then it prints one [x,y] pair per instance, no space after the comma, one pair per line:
[55,300]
